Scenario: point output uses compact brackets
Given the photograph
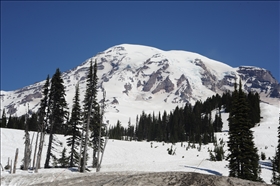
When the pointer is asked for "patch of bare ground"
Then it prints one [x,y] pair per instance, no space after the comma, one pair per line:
[152,179]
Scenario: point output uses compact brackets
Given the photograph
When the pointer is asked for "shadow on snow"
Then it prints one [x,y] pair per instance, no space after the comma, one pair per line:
[266,165]
[207,170]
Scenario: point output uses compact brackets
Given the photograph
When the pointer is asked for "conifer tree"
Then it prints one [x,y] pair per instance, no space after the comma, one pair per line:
[243,157]
[42,121]
[276,162]
[74,133]
[63,160]
[91,117]
[218,123]
[4,119]
[58,113]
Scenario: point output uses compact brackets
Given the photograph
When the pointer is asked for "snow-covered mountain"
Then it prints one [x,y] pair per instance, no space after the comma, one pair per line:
[138,78]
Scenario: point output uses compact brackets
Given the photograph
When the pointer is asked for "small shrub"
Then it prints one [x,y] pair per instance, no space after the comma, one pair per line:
[263,157]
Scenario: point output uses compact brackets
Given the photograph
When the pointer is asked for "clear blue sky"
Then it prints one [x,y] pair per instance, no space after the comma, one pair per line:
[38,37]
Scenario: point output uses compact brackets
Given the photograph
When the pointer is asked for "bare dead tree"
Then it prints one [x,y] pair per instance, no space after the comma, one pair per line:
[15,162]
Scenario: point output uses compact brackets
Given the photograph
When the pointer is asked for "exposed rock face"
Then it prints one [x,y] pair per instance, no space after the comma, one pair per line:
[127,88]
[184,88]
[261,80]
[115,101]
[166,85]
[150,83]
[208,79]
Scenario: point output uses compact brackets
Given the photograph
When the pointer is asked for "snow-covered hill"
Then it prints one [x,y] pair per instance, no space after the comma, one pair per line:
[135,157]
[138,78]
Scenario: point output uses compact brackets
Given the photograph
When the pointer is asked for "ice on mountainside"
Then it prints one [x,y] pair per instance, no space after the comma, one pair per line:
[146,78]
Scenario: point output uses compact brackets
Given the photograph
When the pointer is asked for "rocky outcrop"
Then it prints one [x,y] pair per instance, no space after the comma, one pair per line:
[150,83]
[260,80]
[166,85]
[127,88]
[115,101]
[207,78]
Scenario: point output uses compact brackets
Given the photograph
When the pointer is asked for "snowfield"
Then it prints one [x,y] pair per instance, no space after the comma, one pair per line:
[131,159]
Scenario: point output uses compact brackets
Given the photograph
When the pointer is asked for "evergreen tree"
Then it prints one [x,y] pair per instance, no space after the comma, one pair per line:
[42,121]
[11,123]
[73,141]
[243,157]
[32,122]
[4,119]
[254,105]
[63,160]
[276,162]
[218,123]
[58,113]
[91,117]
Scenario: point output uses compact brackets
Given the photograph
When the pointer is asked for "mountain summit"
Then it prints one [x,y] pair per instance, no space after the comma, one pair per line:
[138,78]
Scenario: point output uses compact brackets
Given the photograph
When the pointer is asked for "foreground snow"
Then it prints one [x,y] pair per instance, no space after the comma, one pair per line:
[135,157]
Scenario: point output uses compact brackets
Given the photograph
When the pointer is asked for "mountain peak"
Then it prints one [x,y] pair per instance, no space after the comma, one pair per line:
[137,77]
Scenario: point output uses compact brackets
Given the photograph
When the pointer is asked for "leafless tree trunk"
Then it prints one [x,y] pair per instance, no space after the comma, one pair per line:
[81,148]
[40,149]
[27,153]
[99,139]
[11,167]
[86,138]
[1,167]
[35,150]
[15,162]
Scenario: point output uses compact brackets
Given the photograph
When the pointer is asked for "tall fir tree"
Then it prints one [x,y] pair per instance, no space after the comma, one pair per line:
[276,161]
[58,114]
[91,117]
[74,133]
[4,119]
[95,124]
[42,121]
[243,157]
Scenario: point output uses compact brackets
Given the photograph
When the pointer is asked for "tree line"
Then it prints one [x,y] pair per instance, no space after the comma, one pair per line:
[195,123]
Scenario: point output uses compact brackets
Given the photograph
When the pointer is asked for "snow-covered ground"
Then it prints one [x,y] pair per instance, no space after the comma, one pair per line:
[133,156]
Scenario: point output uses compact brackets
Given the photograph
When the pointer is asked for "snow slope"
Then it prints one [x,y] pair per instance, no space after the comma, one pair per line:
[135,157]
[138,78]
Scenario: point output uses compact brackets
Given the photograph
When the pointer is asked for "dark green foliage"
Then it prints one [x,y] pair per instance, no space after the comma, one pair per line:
[171,151]
[73,132]
[130,131]
[218,152]
[91,117]
[16,122]
[63,161]
[117,132]
[191,123]
[43,113]
[243,157]
[263,157]
[57,113]
[3,120]
[218,123]
[276,162]
[57,105]
[254,106]
[33,122]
